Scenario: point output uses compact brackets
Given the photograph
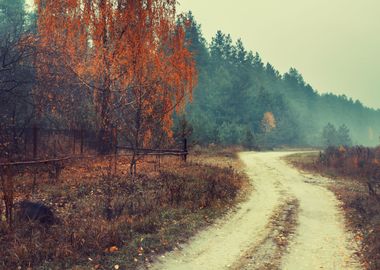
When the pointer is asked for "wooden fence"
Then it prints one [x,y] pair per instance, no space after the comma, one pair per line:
[50,150]
[36,146]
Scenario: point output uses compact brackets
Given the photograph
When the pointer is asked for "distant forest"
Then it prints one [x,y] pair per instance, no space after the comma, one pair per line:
[64,72]
[241,100]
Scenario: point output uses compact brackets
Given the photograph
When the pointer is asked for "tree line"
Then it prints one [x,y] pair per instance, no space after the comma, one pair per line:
[236,89]
[138,68]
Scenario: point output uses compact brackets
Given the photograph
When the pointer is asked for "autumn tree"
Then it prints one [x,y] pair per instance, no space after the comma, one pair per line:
[162,77]
[268,123]
[129,54]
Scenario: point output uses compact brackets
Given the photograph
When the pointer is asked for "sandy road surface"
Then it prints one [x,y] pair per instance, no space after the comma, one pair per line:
[320,240]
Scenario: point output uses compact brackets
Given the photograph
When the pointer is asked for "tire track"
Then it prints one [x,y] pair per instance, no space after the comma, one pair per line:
[268,254]
[258,235]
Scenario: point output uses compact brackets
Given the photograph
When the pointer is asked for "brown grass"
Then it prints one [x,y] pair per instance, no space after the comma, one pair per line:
[352,169]
[107,220]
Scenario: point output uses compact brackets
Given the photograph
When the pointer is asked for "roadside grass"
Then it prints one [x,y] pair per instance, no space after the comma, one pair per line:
[119,222]
[362,210]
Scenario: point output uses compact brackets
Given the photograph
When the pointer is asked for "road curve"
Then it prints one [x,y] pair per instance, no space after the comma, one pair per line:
[320,240]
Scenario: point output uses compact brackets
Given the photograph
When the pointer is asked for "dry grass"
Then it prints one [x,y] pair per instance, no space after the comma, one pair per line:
[351,169]
[226,158]
[107,220]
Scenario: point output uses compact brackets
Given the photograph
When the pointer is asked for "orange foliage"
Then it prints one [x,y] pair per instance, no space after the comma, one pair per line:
[269,122]
[129,53]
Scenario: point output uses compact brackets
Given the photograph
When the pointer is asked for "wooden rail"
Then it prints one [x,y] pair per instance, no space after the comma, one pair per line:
[147,152]
[152,151]
[34,162]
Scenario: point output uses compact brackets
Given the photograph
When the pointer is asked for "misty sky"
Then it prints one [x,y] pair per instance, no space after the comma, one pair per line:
[335,44]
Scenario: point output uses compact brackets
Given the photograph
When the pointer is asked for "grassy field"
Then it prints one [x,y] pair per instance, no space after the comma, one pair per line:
[118,222]
[362,209]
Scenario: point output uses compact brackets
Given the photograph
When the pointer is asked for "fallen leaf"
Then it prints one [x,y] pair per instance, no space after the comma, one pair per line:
[113,249]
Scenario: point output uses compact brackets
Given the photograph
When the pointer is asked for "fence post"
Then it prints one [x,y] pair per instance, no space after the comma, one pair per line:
[81,141]
[115,148]
[35,149]
[184,157]
[54,144]
[74,141]
[8,193]
[26,143]
[35,141]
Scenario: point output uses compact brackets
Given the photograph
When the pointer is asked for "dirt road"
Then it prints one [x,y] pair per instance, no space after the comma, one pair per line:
[291,221]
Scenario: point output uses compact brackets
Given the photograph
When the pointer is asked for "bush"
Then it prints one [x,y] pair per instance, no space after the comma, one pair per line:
[359,162]
[363,165]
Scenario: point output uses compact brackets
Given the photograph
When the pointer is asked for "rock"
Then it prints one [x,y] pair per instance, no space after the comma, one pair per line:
[35,211]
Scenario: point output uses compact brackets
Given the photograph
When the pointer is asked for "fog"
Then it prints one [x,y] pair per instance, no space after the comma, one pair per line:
[334,44]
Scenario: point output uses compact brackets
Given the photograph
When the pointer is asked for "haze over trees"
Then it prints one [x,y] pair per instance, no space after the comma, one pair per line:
[236,89]
[101,65]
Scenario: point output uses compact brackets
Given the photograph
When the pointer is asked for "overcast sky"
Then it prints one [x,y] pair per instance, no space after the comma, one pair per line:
[335,44]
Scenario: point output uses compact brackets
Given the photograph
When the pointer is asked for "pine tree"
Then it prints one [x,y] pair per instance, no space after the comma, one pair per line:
[344,136]
[330,135]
